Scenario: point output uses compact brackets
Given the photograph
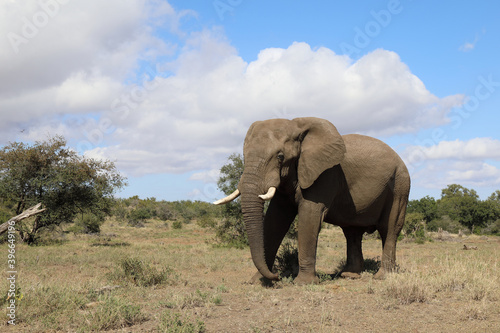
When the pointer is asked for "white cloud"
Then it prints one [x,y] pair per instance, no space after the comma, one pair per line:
[469,163]
[200,115]
[209,176]
[198,108]
[73,57]
[439,174]
[467,47]
[474,149]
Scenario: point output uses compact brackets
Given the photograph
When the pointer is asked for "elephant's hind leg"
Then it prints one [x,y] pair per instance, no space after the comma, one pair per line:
[354,262]
[389,228]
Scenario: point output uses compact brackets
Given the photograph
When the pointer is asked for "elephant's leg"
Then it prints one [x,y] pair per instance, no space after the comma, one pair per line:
[354,263]
[310,218]
[279,216]
[389,228]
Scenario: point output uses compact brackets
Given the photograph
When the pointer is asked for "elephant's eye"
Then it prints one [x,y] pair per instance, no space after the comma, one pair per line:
[281,157]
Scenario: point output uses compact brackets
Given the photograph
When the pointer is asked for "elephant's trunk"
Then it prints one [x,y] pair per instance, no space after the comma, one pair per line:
[253,209]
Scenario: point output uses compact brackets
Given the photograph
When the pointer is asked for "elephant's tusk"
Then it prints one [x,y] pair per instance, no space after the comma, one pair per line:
[269,195]
[229,198]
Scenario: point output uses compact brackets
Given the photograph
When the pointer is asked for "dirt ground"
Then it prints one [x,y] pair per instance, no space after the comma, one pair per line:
[341,305]
[433,292]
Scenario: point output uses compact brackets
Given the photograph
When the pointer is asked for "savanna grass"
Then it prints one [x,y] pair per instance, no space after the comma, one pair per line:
[175,323]
[467,278]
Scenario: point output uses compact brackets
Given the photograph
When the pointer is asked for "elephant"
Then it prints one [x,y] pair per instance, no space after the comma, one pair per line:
[306,168]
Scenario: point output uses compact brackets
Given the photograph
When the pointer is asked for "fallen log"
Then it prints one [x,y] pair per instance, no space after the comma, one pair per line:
[27,213]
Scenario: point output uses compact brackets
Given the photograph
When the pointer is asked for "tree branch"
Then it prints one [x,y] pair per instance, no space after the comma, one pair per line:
[27,213]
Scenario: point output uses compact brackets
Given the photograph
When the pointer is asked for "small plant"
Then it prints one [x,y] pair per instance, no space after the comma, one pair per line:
[177,224]
[17,295]
[142,274]
[287,260]
[324,277]
[174,323]
[222,289]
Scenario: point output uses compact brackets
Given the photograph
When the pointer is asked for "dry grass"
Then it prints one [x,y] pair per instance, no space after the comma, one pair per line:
[173,280]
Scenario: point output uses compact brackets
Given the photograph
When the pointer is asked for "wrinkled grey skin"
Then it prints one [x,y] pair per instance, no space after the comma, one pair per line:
[353,181]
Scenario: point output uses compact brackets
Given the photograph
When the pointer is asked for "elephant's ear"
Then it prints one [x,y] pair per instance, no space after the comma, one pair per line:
[322,148]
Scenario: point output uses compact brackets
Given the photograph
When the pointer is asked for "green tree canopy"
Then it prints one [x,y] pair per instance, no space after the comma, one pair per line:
[63,181]
[426,206]
[232,231]
[463,205]
[230,174]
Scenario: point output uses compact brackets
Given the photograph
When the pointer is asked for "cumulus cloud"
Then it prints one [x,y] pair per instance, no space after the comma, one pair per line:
[455,162]
[63,57]
[474,149]
[209,176]
[439,174]
[200,115]
[189,113]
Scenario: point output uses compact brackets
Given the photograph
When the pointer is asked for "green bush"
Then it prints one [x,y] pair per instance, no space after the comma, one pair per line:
[177,224]
[207,221]
[142,274]
[287,260]
[445,223]
[87,223]
[163,211]
[230,232]
[414,227]
[492,228]
[140,213]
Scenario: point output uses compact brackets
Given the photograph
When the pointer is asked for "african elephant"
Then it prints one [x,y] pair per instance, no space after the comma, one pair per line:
[305,167]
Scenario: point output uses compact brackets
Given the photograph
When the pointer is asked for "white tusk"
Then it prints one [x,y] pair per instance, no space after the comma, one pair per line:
[229,198]
[269,195]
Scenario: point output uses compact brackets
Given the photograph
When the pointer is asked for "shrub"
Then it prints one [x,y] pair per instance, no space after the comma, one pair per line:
[87,223]
[492,228]
[163,211]
[230,232]
[445,223]
[207,221]
[140,213]
[177,224]
[414,227]
[142,274]
[287,260]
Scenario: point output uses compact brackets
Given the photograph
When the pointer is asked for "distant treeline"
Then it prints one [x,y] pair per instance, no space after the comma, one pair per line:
[136,210]
[459,208]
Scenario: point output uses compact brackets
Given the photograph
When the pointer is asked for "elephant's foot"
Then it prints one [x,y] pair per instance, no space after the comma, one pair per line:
[306,278]
[350,275]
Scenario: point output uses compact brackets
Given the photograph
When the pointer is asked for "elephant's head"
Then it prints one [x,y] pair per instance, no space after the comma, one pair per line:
[276,152]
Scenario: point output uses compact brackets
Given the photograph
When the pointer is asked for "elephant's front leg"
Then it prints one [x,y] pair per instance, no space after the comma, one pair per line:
[310,217]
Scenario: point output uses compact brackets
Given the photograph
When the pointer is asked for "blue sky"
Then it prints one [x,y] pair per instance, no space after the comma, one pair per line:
[167,90]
